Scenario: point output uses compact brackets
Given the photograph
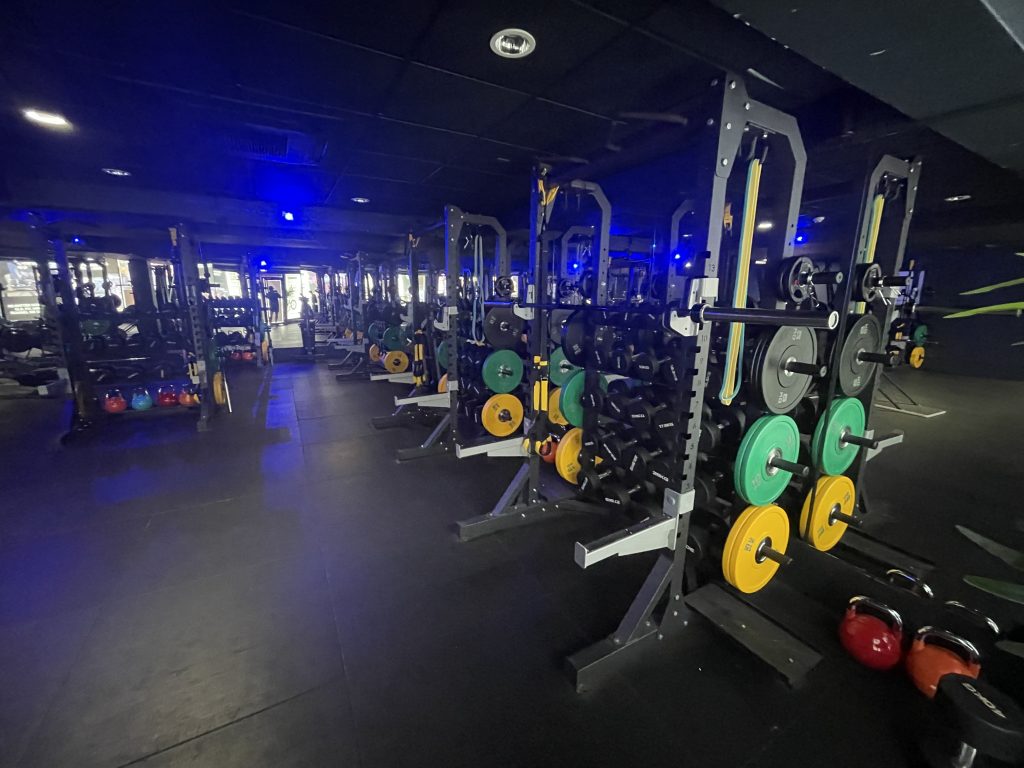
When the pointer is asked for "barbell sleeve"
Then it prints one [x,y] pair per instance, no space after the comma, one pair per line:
[811,369]
[704,313]
[863,442]
[827,278]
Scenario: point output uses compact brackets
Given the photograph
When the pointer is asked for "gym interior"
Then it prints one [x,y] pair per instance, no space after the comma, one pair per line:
[591,382]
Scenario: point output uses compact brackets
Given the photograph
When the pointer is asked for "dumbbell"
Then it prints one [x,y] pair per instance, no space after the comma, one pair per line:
[668,365]
[974,719]
[606,429]
[655,417]
[614,444]
[649,464]
[718,426]
[604,483]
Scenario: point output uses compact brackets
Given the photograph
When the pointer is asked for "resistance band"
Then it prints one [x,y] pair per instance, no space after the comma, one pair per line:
[734,349]
[874,225]
[477,286]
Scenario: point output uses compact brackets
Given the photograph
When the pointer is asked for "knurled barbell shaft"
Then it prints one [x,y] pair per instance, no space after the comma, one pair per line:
[790,466]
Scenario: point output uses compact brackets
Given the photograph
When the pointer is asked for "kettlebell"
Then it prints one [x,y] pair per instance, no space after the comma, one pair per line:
[185,398]
[141,400]
[248,355]
[547,450]
[236,355]
[872,633]
[114,402]
[937,652]
[166,396]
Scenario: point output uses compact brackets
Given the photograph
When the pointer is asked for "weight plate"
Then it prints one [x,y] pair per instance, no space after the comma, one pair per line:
[795,280]
[555,415]
[396,361]
[865,335]
[503,328]
[555,321]
[830,454]
[559,369]
[374,353]
[442,354]
[574,338]
[920,334]
[567,460]
[779,389]
[755,480]
[393,338]
[742,564]
[442,384]
[868,278]
[502,415]
[817,526]
[502,371]
[916,357]
[571,399]
[375,331]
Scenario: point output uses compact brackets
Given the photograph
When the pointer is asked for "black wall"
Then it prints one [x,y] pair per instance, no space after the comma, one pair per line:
[980,345]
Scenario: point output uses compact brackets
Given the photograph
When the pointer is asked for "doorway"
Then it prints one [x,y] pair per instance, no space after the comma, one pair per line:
[278,284]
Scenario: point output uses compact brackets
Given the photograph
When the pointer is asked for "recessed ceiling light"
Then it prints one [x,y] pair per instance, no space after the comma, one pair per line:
[117,171]
[503,160]
[818,219]
[957,198]
[361,200]
[513,43]
[878,52]
[49,119]
[764,226]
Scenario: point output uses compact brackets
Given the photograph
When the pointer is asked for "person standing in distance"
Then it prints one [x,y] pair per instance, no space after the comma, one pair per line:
[273,303]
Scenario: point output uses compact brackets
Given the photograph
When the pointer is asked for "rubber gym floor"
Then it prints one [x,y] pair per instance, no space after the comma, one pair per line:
[279,592]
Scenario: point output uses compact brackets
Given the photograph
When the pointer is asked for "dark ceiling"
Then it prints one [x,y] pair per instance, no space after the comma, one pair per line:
[305,106]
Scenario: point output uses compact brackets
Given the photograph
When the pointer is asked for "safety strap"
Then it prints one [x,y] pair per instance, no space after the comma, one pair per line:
[734,349]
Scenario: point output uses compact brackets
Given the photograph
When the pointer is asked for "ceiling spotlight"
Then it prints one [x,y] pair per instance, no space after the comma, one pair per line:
[764,226]
[116,171]
[957,198]
[513,43]
[287,215]
[818,219]
[49,119]
[361,200]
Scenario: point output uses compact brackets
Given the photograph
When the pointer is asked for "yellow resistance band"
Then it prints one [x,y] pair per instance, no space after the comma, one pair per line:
[734,349]
[877,206]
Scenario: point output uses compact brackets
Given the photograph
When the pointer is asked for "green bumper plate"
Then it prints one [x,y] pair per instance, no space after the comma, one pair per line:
[502,371]
[375,331]
[831,456]
[442,354]
[393,338]
[560,369]
[570,402]
[920,334]
[770,436]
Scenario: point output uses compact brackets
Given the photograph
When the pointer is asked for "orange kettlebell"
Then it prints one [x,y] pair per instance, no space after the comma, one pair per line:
[937,652]
[547,450]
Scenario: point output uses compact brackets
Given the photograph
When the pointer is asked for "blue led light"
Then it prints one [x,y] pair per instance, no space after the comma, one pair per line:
[76,240]
[688,264]
[263,263]
[287,215]
[263,269]
[575,265]
[801,238]
[677,256]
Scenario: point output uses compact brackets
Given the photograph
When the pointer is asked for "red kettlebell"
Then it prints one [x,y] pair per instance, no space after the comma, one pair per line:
[248,355]
[547,450]
[114,402]
[166,397]
[937,652]
[236,355]
[872,633]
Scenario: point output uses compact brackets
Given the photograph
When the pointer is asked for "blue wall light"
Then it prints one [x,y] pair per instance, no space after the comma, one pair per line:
[287,215]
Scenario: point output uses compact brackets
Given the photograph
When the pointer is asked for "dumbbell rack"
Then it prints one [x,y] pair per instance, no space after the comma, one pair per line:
[455,221]
[529,498]
[86,412]
[422,403]
[238,313]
